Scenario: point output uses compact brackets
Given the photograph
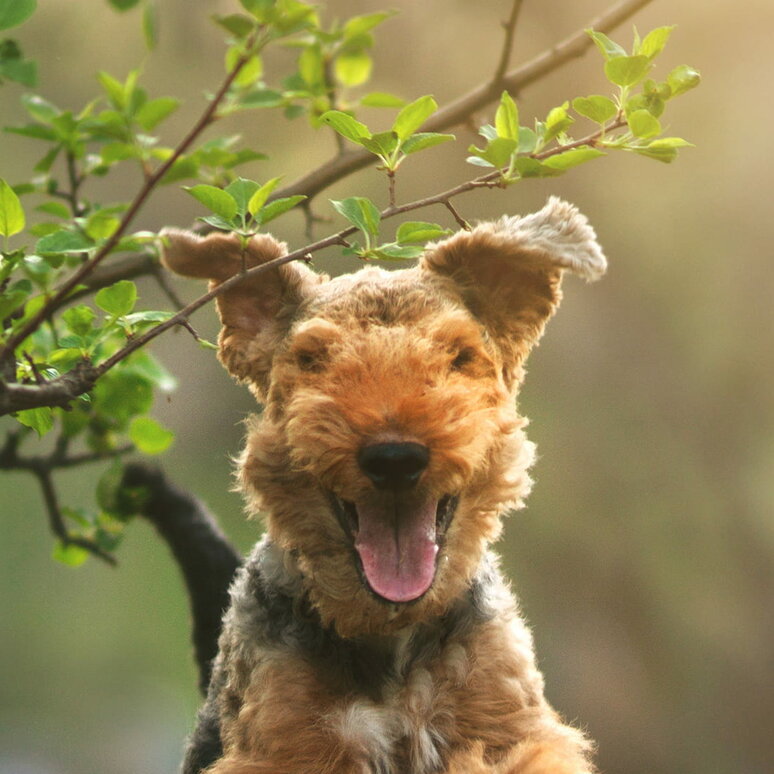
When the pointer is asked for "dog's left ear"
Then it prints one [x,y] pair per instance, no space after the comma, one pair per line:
[257,311]
[509,271]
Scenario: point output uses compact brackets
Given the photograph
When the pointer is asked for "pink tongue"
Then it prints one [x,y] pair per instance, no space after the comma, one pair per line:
[398,549]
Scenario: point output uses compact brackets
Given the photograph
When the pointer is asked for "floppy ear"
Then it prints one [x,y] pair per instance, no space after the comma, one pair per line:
[256,312]
[509,272]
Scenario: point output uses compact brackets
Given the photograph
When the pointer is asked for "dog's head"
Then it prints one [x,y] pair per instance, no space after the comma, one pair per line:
[390,444]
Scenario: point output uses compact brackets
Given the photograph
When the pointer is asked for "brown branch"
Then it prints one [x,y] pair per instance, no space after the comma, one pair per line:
[461,109]
[510,30]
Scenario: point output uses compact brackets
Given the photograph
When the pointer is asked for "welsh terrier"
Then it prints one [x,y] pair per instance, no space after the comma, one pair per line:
[371,631]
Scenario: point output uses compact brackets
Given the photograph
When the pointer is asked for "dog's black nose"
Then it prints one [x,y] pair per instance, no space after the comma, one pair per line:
[393,465]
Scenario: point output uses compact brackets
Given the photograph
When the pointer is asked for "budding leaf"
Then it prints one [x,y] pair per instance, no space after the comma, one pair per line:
[361,212]
[419,231]
[215,199]
[118,299]
[682,79]
[507,118]
[41,420]
[627,70]
[654,42]
[607,47]
[11,212]
[571,158]
[413,116]
[596,108]
[644,124]
[149,436]
[258,199]
[345,125]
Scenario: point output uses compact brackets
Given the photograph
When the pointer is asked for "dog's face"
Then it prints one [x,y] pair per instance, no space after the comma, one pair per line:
[390,444]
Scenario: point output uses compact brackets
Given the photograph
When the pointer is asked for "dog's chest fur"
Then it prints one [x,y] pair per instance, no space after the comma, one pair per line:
[395,703]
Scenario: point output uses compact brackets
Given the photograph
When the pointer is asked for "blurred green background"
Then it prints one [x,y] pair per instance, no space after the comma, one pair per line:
[645,557]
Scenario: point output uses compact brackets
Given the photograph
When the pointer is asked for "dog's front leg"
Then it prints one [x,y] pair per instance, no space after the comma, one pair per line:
[291,719]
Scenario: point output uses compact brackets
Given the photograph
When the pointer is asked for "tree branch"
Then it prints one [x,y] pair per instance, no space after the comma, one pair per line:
[461,109]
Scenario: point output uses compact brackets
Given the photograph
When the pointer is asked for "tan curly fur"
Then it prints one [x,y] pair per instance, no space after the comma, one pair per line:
[319,671]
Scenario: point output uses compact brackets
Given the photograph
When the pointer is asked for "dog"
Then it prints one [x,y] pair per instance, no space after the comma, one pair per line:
[370,631]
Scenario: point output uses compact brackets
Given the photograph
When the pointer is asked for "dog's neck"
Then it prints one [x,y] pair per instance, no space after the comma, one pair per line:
[269,593]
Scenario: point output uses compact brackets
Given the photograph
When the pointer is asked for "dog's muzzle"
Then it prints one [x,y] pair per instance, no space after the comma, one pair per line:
[397,530]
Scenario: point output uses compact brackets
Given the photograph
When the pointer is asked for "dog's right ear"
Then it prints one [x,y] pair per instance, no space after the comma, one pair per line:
[509,272]
[256,312]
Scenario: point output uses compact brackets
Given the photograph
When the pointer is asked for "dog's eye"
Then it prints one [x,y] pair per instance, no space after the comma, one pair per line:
[309,361]
[465,356]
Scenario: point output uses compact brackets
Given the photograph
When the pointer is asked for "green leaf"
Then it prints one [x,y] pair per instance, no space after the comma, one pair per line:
[12,219]
[361,212]
[413,115]
[311,67]
[214,199]
[419,231]
[571,158]
[118,299]
[279,207]
[239,25]
[69,554]
[123,5]
[352,69]
[507,118]
[13,297]
[152,113]
[498,152]
[421,140]
[682,79]
[382,99]
[114,90]
[557,121]
[627,70]
[79,319]
[643,124]
[39,108]
[258,199]
[382,144]
[359,25]
[607,47]
[393,252]
[596,108]
[64,242]
[15,12]
[345,125]
[242,191]
[149,26]
[654,42]
[149,436]
[41,420]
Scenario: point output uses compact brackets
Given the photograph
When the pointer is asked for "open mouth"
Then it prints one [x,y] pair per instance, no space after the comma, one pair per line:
[397,538]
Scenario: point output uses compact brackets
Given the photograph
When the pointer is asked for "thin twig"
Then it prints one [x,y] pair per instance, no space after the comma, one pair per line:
[461,222]
[56,518]
[510,29]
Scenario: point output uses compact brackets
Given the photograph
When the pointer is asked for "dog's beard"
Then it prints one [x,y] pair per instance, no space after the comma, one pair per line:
[397,537]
